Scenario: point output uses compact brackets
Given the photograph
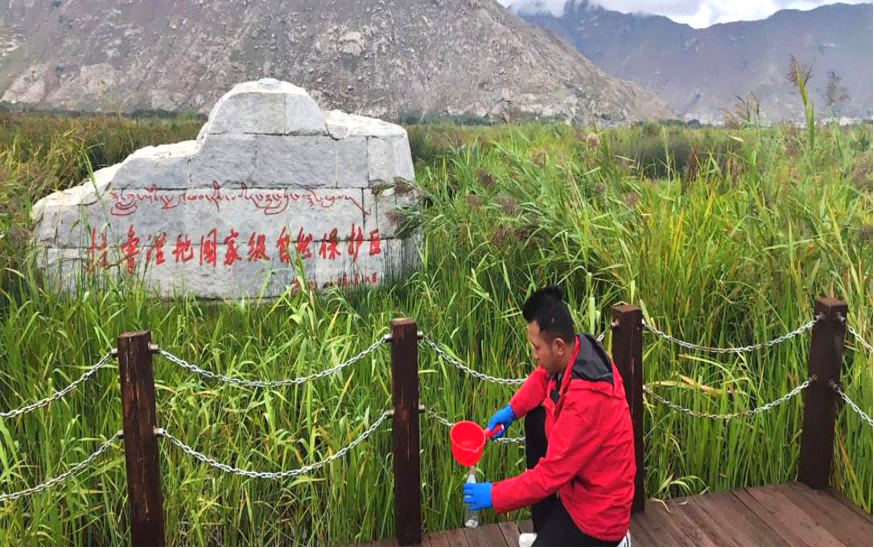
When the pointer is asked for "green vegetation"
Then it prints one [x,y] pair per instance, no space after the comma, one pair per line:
[722,237]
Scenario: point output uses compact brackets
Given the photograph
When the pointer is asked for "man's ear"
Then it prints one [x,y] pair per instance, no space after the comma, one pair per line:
[559,346]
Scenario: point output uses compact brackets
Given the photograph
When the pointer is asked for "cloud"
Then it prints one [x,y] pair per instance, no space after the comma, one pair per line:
[697,13]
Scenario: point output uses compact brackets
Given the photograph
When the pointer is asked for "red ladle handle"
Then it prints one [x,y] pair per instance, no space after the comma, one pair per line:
[494,431]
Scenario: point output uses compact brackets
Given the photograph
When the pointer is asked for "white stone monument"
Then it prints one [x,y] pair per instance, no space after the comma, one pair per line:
[271,180]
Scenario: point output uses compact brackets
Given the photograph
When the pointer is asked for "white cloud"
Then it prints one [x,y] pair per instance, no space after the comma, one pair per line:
[697,13]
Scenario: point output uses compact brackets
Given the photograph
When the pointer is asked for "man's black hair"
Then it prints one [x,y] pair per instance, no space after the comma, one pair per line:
[547,307]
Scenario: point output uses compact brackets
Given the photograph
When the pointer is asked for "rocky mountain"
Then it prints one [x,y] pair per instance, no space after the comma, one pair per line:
[382,58]
[698,72]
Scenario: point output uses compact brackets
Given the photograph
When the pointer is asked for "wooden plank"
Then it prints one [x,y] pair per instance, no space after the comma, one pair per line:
[679,513]
[511,533]
[746,531]
[495,535]
[789,534]
[697,526]
[456,537]
[526,526]
[661,527]
[639,534]
[784,510]
[704,519]
[840,510]
[840,497]
[438,539]
[834,517]
[774,538]
[405,431]
[473,537]
[644,522]
[724,525]
[671,523]
[656,527]
[485,535]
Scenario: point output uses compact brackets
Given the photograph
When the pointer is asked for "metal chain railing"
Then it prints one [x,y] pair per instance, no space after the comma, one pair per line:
[851,403]
[445,422]
[728,416]
[736,349]
[856,334]
[473,372]
[271,384]
[272,475]
[859,338]
[60,393]
[66,475]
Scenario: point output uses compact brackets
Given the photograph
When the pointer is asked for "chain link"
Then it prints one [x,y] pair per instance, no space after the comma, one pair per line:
[59,394]
[851,403]
[482,376]
[736,349]
[855,333]
[445,422]
[271,384]
[743,414]
[66,475]
[272,475]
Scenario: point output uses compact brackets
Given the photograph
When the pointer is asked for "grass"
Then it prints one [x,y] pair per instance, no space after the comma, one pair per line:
[731,246]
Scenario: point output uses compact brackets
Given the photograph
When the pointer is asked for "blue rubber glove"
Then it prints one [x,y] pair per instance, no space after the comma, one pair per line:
[505,418]
[478,496]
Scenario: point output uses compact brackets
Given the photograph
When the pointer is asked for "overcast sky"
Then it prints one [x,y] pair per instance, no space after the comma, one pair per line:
[698,13]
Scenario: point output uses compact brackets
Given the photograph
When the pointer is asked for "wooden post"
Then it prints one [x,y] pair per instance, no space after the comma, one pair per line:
[140,441]
[820,399]
[628,357]
[405,431]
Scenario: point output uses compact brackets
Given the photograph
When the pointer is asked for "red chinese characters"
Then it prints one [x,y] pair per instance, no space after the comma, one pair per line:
[283,245]
[231,254]
[357,280]
[96,253]
[209,248]
[328,250]
[258,247]
[303,245]
[155,252]
[183,251]
[374,243]
[355,241]
[150,251]
[130,249]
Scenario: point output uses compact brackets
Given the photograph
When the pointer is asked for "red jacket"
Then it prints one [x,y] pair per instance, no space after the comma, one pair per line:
[590,455]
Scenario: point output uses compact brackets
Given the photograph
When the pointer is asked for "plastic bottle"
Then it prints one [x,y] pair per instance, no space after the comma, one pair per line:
[471,518]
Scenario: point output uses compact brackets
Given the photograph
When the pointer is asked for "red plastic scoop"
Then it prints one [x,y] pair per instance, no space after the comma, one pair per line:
[467,440]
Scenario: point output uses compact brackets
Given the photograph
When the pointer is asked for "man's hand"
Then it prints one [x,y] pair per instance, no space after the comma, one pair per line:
[478,496]
[505,418]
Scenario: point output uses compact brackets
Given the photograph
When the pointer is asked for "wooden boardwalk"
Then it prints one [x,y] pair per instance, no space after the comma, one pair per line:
[776,515]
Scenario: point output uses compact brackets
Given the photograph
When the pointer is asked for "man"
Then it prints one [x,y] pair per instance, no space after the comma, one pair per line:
[579,443]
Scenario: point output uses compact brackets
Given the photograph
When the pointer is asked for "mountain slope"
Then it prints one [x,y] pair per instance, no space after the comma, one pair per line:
[380,58]
[700,71]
